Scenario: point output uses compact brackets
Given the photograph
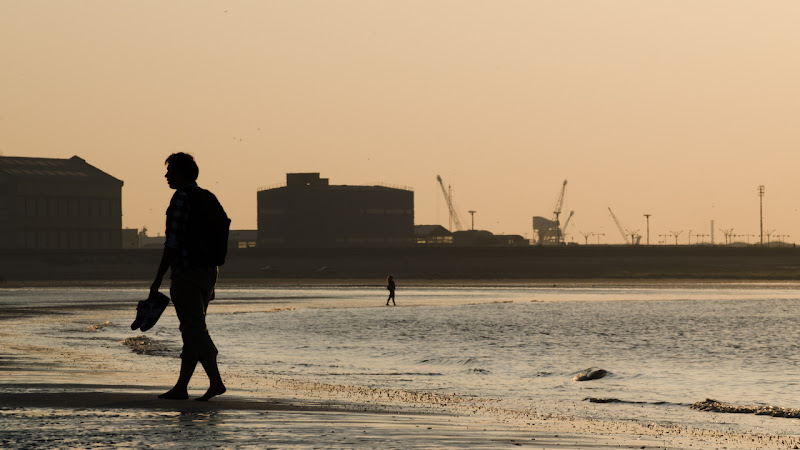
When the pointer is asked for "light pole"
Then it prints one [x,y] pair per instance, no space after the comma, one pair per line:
[761,210]
[728,233]
[769,234]
[472,213]
[648,227]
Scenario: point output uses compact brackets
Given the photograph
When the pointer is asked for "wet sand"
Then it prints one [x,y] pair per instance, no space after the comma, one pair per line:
[54,396]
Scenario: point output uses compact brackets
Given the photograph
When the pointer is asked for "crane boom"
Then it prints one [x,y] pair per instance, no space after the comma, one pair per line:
[619,226]
[559,202]
[447,198]
[566,223]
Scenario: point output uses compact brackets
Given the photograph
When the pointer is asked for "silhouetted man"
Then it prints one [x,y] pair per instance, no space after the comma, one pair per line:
[192,280]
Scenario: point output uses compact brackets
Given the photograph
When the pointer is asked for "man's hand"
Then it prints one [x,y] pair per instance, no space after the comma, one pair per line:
[154,287]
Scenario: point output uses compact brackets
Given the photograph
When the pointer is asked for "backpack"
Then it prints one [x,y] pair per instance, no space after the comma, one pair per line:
[208,228]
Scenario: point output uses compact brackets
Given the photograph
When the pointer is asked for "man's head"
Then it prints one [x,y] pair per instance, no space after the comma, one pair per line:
[181,169]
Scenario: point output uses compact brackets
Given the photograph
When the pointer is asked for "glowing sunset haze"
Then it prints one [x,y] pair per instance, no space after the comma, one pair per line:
[675,109]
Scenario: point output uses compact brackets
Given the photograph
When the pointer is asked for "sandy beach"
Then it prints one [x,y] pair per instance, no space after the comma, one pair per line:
[53,395]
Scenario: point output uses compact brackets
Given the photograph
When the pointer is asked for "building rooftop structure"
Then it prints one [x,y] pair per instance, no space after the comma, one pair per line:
[432,235]
[75,168]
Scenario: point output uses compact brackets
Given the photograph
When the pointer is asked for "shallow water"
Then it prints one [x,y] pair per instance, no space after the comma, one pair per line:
[664,347]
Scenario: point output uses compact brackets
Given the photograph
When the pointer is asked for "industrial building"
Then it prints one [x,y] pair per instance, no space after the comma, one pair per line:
[309,212]
[58,204]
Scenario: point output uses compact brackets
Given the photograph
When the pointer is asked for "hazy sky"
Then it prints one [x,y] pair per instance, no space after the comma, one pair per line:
[675,108]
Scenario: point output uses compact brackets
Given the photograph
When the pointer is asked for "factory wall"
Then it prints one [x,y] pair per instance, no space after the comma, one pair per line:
[308,216]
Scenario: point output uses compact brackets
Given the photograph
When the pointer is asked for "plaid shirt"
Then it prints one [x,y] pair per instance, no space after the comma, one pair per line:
[177,234]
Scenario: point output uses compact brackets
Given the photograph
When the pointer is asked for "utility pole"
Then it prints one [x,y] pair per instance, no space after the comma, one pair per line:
[472,213]
[761,210]
[648,227]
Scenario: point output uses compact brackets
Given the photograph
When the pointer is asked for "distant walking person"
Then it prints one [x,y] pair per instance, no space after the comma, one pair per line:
[196,242]
[390,287]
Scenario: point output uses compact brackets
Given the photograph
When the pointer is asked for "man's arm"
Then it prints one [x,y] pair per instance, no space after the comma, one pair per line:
[167,257]
[176,224]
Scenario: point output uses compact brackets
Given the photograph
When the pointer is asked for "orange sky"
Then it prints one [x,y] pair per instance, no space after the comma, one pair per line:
[679,109]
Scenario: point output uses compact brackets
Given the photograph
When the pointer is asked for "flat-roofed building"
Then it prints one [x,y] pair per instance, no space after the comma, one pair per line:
[310,212]
[50,203]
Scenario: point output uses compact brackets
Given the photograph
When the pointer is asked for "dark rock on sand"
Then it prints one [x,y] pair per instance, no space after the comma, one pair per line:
[603,400]
[590,374]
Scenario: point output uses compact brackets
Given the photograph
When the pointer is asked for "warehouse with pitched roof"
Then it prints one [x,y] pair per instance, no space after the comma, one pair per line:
[48,203]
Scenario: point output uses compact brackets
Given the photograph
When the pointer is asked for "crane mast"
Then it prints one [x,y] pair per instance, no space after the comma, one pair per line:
[456,222]
[557,212]
[619,226]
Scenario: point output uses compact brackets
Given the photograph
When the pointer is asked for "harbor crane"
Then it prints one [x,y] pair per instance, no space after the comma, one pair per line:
[550,231]
[448,198]
[634,237]
[619,226]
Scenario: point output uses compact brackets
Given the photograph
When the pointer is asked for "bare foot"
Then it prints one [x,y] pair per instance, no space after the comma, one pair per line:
[213,391]
[175,394]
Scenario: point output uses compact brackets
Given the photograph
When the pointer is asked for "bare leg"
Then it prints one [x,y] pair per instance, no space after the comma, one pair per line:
[212,370]
[180,390]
